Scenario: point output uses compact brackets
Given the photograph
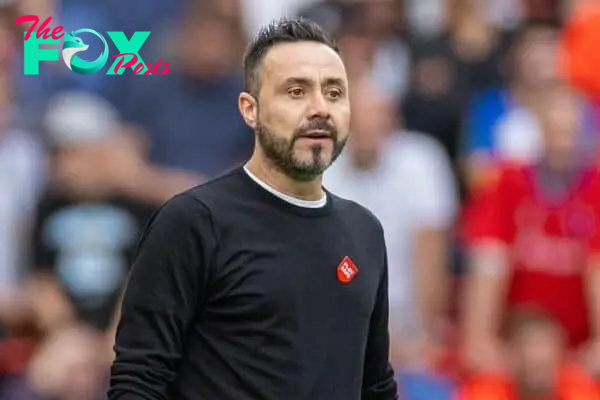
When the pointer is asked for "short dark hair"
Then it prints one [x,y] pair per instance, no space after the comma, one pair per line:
[284,30]
[533,25]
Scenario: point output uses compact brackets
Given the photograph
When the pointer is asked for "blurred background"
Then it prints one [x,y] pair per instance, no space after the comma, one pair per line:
[442,91]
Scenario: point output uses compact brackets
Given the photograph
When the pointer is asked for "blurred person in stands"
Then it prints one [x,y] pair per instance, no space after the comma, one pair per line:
[196,126]
[501,123]
[68,365]
[21,177]
[405,179]
[534,239]
[449,68]
[382,22]
[538,366]
[90,216]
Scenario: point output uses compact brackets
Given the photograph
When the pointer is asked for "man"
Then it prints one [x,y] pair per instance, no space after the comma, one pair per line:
[534,240]
[85,229]
[260,284]
[448,67]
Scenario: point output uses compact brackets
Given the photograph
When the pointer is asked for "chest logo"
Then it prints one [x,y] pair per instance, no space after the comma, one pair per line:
[346,271]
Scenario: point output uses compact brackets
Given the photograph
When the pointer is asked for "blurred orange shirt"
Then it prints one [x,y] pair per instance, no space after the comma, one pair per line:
[549,241]
[573,384]
[579,45]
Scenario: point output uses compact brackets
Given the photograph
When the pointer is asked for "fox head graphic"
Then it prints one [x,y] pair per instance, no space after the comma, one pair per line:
[72,46]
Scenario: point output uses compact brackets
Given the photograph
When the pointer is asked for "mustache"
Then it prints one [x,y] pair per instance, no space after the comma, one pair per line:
[319,124]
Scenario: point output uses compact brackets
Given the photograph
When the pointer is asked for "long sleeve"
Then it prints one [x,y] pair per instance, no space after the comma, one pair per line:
[165,289]
[378,378]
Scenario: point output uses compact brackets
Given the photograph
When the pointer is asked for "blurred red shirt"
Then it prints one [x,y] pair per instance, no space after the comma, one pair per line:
[550,242]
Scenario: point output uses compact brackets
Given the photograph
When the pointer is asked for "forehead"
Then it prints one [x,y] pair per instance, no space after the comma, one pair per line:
[314,61]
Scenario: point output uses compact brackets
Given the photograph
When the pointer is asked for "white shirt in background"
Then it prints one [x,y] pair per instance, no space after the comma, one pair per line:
[259,13]
[412,188]
[21,180]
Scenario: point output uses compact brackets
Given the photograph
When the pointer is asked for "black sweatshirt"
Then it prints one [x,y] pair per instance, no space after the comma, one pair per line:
[236,294]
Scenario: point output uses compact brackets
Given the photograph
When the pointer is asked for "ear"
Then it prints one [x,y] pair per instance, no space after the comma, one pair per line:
[248,107]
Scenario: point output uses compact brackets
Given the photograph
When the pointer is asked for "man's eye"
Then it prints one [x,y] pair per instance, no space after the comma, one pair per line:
[335,93]
[296,92]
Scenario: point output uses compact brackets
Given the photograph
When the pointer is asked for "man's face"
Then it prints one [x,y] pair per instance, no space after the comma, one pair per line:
[537,352]
[372,123]
[303,111]
[561,120]
[537,58]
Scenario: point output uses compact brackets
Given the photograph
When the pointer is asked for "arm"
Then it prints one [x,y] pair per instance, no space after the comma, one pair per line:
[164,291]
[130,174]
[593,290]
[41,295]
[489,273]
[431,270]
[484,293]
[378,378]
[433,190]
[591,354]
[592,279]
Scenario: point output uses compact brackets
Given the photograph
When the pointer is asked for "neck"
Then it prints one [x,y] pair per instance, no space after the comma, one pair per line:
[278,180]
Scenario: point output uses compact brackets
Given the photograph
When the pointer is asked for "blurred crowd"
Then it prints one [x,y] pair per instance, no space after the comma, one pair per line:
[451,99]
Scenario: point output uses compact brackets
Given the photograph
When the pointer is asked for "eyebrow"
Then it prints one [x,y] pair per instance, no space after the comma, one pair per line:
[307,82]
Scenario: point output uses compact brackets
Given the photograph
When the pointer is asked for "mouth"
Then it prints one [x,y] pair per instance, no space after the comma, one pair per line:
[317,134]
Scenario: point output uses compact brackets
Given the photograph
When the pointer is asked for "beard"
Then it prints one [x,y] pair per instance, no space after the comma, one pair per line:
[281,152]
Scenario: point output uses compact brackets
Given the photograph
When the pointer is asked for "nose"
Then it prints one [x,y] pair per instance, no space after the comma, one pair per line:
[319,106]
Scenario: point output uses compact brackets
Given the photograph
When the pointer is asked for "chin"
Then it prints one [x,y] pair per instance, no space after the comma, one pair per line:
[311,166]
[307,157]
[365,161]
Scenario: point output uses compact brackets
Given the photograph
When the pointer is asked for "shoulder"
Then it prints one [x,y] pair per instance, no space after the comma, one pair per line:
[420,161]
[417,146]
[591,182]
[494,174]
[514,171]
[182,222]
[215,190]
[594,174]
[487,107]
[186,209]
[357,217]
